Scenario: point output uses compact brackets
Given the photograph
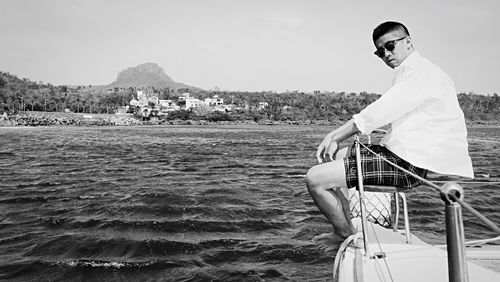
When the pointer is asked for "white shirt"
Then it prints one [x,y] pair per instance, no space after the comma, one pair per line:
[427,125]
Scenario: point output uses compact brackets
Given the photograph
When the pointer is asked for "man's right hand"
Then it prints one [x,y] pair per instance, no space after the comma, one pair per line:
[330,145]
[327,149]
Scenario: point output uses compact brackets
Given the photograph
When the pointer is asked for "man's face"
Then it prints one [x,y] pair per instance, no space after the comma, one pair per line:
[402,48]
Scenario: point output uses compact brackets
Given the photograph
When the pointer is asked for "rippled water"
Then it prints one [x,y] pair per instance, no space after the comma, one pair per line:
[221,203]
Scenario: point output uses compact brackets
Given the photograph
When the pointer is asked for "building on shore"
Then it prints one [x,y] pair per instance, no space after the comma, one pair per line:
[148,103]
[262,105]
[214,101]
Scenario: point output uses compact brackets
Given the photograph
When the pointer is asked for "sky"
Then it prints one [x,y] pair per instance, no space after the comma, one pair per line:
[246,45]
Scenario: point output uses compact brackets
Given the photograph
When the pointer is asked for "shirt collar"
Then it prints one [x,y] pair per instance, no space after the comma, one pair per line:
[410,60]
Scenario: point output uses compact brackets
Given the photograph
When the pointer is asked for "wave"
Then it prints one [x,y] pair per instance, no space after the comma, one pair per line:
[171,226]
[87,269]
[27,200]
[7,153]
[252,251]
[101,248]
[151,270]
[126,253]
[190,225]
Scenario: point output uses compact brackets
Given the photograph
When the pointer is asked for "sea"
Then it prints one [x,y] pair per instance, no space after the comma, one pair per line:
[188,203]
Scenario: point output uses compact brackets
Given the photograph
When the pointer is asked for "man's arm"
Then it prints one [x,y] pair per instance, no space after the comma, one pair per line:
[330,143]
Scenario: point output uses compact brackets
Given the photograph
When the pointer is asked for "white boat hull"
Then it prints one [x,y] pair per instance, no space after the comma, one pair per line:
[401,261]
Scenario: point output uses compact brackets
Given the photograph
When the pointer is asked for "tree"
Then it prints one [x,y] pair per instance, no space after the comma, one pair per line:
[31,98]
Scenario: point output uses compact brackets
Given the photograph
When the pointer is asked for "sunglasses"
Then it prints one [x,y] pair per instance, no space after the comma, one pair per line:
[389,46]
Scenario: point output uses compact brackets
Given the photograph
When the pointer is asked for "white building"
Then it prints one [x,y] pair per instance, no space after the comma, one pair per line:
[214,101]
[262,105]
[193,103]
[143,99]
[165,103]
[168,105]
[134,102]
[184,96]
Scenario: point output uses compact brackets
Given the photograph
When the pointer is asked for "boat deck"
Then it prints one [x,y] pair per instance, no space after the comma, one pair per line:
[486,256]
[399,261]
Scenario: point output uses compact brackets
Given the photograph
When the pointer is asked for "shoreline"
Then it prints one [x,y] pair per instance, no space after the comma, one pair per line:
[44,119]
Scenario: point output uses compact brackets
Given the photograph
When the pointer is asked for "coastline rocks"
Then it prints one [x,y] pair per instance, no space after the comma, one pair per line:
[74,119]
[60,119]
[81,119]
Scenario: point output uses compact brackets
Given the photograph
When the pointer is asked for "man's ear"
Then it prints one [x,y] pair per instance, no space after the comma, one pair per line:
[409,43]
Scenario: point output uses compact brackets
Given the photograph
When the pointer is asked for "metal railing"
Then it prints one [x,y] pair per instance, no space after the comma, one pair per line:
[452,195]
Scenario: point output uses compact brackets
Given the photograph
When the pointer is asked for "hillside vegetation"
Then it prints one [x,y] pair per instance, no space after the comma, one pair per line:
[18,94]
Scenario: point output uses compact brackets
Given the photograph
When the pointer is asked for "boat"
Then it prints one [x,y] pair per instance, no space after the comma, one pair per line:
[378,253]
[391,258]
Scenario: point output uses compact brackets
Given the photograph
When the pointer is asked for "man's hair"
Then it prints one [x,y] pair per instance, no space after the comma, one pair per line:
[387,27]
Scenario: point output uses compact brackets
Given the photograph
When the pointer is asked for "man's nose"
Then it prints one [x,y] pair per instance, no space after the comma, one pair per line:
[385,52]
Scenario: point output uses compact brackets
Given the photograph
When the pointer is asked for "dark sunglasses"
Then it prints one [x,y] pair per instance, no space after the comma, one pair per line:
[389,46]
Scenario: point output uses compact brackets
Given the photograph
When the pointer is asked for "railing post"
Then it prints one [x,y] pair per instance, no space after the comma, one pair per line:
[361,194]
[457,261]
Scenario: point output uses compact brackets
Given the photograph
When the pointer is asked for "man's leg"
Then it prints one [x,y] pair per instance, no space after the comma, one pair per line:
[321,181]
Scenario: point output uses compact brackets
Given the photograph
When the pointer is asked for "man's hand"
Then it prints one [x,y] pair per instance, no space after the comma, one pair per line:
[330,145]
[327,149]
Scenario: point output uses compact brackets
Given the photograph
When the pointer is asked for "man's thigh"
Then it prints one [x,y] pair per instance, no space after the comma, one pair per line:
[328,175]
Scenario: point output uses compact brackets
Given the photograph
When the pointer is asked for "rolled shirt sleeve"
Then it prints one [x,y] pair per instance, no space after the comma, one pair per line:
[407,93]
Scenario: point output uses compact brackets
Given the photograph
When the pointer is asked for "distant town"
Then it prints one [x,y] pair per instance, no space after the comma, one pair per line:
[148,104]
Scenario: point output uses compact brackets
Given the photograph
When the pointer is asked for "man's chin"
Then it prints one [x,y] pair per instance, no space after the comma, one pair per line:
[393,63]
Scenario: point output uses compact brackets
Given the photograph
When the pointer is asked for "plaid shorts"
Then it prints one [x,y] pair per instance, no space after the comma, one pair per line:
[378,172]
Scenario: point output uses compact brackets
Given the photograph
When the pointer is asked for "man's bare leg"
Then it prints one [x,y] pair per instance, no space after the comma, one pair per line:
[320,181]
[345,203]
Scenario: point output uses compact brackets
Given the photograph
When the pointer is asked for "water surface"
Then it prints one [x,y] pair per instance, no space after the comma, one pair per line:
[185,203]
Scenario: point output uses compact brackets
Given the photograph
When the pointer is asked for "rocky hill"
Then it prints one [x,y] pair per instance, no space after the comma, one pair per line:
[144,75]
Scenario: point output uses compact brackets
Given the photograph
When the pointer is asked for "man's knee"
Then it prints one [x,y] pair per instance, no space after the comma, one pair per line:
[317,179]
[325,176]
[312,179]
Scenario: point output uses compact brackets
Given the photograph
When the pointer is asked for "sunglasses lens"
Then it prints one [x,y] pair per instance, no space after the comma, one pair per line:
[380,52]
[390,46]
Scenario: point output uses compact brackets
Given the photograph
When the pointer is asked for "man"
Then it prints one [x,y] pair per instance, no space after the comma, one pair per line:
[427,131]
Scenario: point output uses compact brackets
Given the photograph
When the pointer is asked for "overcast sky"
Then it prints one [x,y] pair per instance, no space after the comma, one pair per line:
[246,44]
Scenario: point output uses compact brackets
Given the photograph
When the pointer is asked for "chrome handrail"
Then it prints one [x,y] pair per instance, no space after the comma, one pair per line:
[455,239]
[361,195]
[452,195]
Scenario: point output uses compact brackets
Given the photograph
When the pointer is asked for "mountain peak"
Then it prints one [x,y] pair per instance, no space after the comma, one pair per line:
[146,75]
